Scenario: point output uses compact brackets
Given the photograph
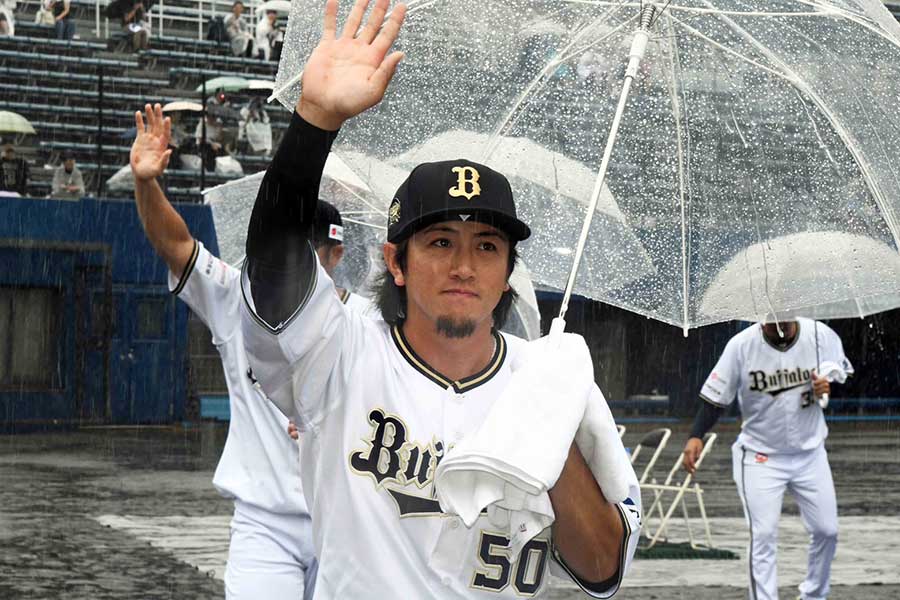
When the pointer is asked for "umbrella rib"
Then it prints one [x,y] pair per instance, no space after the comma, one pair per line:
[824,12]
[365,224]
[360,198]
[862,106]
[728,50]
[509,119]
[834,10]
[845,136]
[677,114]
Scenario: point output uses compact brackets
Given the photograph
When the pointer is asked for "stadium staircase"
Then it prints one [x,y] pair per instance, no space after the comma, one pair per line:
[56,85]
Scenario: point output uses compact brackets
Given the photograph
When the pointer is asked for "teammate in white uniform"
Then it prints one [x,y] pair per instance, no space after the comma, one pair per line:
[379,402]
[271,553]
[782,441]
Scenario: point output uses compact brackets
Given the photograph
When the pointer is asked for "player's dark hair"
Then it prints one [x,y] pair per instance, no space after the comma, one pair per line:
[391,298]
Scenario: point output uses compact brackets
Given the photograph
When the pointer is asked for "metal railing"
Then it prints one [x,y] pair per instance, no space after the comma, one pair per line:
[159,14]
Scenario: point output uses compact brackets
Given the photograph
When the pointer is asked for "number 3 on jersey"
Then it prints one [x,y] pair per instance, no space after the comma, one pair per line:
[528,570]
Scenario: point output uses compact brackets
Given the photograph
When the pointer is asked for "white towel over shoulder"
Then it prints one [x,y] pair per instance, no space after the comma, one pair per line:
[519,451]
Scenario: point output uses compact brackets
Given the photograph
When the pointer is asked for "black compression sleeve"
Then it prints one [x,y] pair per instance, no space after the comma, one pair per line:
[706,418]
[286,201]
[279,257]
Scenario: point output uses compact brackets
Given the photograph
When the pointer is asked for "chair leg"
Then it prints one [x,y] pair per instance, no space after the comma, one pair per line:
[702,508]
[687,523]
[668,515]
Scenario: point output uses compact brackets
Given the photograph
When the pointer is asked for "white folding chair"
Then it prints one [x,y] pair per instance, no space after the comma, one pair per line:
[621,430]
[680,490]
[655,440]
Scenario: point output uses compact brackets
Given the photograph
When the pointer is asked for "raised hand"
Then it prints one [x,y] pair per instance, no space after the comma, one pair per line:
[150,151]
[349,73]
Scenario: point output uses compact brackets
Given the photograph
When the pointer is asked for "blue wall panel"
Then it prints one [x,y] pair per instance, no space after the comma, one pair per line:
[50,243]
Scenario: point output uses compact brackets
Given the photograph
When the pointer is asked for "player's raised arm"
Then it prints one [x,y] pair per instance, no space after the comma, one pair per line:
[164,227]
[347,73]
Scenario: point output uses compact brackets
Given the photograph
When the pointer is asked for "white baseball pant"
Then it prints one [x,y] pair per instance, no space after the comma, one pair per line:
[270,556]
[761,481]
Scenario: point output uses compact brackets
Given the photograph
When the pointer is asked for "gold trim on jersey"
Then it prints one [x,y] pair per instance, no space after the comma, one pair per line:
[345,295]
[188,269]
[461,385]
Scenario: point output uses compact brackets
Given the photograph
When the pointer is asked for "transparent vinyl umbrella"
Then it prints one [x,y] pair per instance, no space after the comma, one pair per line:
[746,122]
[11,122]
[364,234]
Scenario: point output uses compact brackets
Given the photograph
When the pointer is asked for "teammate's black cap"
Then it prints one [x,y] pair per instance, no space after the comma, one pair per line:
[451,190]
[328,227]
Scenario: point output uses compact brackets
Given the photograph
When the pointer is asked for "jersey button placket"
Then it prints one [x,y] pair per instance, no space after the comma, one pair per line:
[453,414]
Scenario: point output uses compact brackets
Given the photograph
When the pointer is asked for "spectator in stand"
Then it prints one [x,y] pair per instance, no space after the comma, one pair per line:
[67,180]
[13,172]
[215,140]
[255,127]
[44,15]
[270,36]
[65,25]
[242,42]
[8,23]
[135,24]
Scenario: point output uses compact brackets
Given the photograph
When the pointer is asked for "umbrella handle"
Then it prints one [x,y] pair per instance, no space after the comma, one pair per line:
[557,328]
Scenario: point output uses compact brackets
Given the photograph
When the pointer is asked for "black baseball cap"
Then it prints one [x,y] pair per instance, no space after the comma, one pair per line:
[328,226]
[453,190]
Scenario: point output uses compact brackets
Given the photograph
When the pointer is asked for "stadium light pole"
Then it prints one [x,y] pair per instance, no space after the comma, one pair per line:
[203,137]
[100,131]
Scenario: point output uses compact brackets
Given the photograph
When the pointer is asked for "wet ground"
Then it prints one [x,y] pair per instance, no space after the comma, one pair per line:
[131,513]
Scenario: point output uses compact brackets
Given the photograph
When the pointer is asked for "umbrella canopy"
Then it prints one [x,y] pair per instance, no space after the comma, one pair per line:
[788,272]
[340,186]
[182,105]
[364,233]
[550,190]
[11,122]
[749,121]
[260,84]
[281,6]
[226,84]
[259,87]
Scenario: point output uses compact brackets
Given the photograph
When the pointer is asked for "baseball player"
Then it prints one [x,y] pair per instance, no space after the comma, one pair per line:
[380,402]
[271,552]
[782,441]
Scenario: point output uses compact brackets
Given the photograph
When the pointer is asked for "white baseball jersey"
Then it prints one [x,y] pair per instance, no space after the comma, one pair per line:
[773,386]
[360,305]
[377,419]
[259,462]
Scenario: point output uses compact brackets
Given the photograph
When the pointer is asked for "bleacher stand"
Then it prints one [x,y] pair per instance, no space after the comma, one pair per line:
[80,94]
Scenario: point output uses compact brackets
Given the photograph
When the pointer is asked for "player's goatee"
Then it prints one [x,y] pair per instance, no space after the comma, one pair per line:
[455,328]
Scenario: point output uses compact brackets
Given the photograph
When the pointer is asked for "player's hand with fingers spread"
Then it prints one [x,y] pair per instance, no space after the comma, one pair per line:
[820,385]
[692,451]
[150,151]
[348,73]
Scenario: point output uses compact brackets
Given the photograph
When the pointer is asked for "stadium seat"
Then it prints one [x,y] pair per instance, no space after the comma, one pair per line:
[656,518]
[656,441]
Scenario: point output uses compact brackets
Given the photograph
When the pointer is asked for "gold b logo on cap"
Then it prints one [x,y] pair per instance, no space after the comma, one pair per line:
[394,212]
[466,177]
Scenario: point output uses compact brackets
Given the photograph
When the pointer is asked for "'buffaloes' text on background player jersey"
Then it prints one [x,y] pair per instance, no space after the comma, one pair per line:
[773,386]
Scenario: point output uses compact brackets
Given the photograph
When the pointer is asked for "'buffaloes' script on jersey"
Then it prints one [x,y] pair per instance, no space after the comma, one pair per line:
[773,386]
